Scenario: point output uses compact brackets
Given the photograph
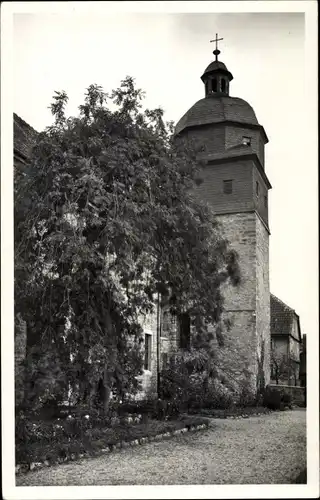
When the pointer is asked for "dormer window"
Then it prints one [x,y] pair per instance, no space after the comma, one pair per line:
[246,141]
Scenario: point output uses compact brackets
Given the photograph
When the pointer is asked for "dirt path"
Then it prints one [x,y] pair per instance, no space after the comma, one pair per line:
[269,449]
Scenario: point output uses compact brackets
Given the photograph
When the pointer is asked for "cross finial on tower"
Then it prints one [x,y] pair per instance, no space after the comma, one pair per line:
[216,52]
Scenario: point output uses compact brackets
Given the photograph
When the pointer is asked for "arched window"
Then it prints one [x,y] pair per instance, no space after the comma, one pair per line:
[214,85]
[223,85]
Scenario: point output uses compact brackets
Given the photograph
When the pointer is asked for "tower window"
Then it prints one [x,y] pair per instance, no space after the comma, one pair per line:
[214,85]
[257,188]
[223,85]
[246,141]
[207,88]
[147,351]
[266,201]
[227,186]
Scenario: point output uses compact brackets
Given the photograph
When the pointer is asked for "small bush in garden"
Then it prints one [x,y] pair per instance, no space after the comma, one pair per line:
[219,396]
[287,399]
[245,396]
[272,399]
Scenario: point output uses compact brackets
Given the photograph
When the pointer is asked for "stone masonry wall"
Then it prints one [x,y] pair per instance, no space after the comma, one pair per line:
[263,299]
[240,301]
[240,230]
[248,305]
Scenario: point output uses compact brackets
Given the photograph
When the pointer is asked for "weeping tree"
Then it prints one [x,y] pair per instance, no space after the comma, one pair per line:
[105,220]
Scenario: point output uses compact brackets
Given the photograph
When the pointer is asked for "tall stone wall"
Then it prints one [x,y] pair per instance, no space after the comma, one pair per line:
[263,301]
[247,351]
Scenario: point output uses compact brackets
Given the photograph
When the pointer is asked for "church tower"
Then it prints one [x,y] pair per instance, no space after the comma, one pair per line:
[235,184]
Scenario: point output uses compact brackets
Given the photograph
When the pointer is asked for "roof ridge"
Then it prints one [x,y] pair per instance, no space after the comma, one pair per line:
[21,121]
[282,303]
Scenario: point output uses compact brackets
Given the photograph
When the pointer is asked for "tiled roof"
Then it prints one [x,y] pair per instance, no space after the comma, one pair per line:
[23,136]
[215,109]
[281,317]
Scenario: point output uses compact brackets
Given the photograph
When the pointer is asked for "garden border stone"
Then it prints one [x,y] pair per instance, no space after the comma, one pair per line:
[121,445]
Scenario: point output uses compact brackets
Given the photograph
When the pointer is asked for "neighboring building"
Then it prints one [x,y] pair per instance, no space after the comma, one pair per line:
[24,137]
[236,186]
[303,361]
[285,343]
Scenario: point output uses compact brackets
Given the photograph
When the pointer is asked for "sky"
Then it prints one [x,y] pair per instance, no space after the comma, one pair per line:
[167,53]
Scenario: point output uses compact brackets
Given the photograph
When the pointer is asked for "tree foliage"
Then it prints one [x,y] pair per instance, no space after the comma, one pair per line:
[282,366]
[106,219]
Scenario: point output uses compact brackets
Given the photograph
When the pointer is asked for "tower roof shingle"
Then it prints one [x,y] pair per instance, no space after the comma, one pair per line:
[217,108]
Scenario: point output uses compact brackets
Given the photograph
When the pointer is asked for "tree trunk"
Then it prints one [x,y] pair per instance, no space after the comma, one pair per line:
[106,392]
[92,393]
[109,370]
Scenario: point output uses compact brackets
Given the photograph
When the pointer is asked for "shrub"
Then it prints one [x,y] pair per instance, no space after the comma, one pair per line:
[287,399]
[276,400]
[219,396]
[245,395]
[196,390]
[272,399]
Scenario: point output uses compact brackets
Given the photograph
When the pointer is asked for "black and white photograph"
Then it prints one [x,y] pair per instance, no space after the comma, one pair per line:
[159,250]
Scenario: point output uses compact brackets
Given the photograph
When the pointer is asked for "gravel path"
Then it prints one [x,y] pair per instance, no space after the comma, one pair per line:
[268,449]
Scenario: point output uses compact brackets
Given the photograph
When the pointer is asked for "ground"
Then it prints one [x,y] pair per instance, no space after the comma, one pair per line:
[267,449]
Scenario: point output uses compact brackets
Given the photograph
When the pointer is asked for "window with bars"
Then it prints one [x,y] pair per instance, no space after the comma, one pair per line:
[227,186]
